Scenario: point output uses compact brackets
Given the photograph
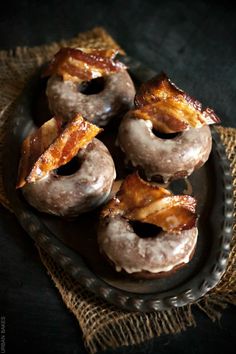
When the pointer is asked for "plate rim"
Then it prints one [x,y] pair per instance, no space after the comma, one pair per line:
[126,300]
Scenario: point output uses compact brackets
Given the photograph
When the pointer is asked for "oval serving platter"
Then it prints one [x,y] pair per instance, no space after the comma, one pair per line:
[72,243]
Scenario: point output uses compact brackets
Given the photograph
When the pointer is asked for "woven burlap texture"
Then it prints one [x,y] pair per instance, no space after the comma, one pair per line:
[104,326]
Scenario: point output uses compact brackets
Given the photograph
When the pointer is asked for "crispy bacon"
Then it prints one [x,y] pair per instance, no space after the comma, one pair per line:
[34,145]
[170,109]
[172,115]
[158,88]
[145,202]
[80,65]
[60,150]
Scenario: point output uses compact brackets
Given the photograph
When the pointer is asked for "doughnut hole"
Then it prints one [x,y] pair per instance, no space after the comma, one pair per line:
[92,87]
[178,186]
[70,167]
[165,136]
[144,229]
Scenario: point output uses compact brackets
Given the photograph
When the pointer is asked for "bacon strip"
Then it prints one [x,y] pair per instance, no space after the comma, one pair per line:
[77,134]
[142,201]
[169,108]
[158,88]
[80,65]
[34,145]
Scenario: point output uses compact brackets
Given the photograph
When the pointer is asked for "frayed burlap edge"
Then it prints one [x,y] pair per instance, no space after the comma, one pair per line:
[103,325]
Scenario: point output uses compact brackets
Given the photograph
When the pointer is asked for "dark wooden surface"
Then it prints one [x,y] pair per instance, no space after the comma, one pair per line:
[195,43]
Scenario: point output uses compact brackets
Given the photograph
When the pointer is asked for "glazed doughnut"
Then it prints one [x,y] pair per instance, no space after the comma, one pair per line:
[164,159]
[167,135]
[97,92]
[85,189]
[151,256]
[52,146]
[146,257]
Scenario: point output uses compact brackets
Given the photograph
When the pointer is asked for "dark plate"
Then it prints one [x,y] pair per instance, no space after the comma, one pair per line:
[73,245]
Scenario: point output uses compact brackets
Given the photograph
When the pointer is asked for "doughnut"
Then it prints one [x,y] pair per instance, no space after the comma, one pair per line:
[166,136]
[46,183]
[168,248]
[90,83]
[146,257]
[164,159]
[83,190]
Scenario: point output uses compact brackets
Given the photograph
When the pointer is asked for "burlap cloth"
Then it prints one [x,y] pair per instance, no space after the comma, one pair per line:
[104,326]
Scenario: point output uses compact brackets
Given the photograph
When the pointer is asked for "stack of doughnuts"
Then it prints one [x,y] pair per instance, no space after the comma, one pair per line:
[69,135]
[65,170]
[165,136]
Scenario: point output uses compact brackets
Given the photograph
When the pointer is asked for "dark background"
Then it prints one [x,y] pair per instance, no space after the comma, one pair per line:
[195,43]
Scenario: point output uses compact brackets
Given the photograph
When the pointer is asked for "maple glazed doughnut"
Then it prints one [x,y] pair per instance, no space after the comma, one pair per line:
[150,256]
[167,134]
[164,158]
[90,83]
[79,192]
[84,188]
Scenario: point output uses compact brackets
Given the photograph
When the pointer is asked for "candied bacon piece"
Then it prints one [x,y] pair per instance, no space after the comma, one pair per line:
[158,88]
[76,135]
[145,202]
[34,145]
[80,65]
[169,108]
[171,115]
[172,219]
[134,192]
[172,214]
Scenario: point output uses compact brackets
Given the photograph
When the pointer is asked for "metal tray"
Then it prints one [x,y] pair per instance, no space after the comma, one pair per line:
[73,245]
